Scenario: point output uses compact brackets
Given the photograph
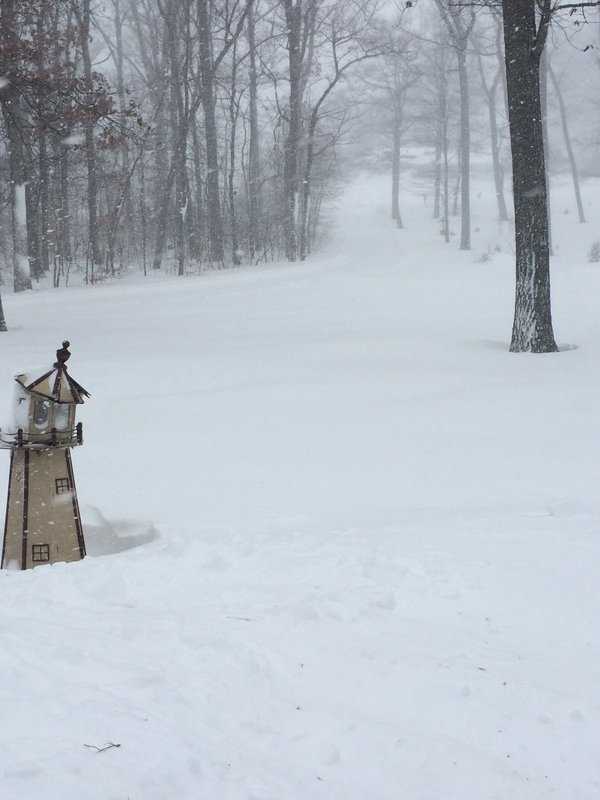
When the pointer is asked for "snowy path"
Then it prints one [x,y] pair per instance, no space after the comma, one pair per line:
[376,569]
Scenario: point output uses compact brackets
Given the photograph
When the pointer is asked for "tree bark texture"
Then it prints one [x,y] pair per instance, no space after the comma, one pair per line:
[532,327]
[544,107]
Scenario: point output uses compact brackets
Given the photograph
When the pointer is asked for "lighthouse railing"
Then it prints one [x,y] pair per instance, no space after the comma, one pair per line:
[54,438]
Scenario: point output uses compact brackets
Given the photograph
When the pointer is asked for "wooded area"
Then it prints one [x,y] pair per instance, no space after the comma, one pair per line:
[182,135]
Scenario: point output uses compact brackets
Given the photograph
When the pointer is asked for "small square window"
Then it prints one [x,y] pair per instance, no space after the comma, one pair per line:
[62,485]
[41,552]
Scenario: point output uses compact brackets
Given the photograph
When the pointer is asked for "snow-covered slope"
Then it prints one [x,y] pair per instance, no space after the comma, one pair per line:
[367,536]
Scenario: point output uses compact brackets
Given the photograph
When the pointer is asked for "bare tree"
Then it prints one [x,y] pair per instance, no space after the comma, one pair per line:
[459,21]
[490,91]
[344,35]
[82,12]
[300,18]
[212,53]
[254,190]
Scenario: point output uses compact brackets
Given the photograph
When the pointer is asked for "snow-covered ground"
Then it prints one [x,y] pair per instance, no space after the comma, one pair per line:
[368,537]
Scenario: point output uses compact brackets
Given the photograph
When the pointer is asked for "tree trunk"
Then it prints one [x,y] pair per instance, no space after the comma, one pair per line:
[496,163]
[119,22]
[178,131]
[207,89]
[544,107]
[42,264]
[396,216]
[90,142]
[24,235]
[568,145]
[63,232]
[233,120]
[161,220]
[3,327]
[437,175]
[532,327]
[32,224]
[490,95]
[293,13]
[446,178]
[44,200]
[18,215]
[254,203]
[465,152]
[143,214]
[306,186]
[200,220]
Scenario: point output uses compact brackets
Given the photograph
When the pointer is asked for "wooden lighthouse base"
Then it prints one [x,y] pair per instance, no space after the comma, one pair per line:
[43,525]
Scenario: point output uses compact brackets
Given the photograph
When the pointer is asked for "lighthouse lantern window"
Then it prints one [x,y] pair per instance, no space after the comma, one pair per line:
[41,410]
[61,417]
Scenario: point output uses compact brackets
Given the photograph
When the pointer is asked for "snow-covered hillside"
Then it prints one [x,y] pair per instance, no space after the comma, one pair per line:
[367,536]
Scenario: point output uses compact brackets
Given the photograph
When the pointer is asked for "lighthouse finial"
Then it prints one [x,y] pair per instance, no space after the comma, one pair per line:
[63,355]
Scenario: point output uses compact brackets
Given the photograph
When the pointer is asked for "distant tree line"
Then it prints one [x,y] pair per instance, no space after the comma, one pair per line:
[184,133]
[180,135]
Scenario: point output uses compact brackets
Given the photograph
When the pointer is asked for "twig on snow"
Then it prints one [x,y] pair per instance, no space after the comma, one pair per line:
[107,746]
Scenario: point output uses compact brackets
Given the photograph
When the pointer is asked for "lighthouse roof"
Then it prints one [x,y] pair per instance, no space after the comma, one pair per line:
[56,384]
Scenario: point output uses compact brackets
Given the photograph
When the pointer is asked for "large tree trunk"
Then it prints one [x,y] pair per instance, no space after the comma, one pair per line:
[532,328]
[568,145]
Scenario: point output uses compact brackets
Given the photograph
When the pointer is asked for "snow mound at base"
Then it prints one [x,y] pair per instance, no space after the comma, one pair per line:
[104,537]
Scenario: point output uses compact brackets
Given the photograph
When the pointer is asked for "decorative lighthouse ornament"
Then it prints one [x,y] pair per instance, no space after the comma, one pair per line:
[43,524]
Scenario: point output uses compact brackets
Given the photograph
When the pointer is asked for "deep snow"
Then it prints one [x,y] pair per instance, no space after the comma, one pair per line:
[368,536]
